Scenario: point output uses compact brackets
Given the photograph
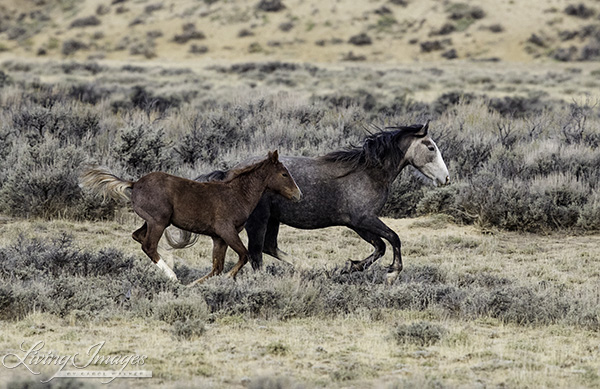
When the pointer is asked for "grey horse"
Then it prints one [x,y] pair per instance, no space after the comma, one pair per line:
[343,188]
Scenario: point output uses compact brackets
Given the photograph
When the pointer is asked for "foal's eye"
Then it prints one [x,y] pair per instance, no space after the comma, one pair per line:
[285,175]
[431,148]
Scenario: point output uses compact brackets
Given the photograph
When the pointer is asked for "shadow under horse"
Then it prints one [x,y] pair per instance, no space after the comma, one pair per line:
[343,188]
[217,209]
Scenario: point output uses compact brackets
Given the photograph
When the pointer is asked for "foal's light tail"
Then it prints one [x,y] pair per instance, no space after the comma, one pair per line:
[104,182]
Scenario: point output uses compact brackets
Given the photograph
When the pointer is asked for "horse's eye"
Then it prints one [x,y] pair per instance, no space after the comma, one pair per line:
[285,175]
[431,148]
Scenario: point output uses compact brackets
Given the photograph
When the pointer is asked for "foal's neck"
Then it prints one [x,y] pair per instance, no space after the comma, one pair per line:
[251,185]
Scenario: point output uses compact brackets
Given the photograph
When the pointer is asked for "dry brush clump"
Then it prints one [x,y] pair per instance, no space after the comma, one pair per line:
[60,278]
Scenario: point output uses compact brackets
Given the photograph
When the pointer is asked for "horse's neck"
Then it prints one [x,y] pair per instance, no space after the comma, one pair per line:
[385,175]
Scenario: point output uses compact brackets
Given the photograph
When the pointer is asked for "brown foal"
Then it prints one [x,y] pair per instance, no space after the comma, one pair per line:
[217,209]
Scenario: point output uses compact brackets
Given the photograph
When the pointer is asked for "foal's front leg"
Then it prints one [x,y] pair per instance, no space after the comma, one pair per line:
[219,250]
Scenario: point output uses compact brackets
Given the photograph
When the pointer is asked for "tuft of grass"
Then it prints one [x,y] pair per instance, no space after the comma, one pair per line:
[188,329]
[277,348]
[422,333]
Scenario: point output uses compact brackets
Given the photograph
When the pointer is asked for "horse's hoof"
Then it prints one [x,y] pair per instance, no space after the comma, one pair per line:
[391,277]
[351,267]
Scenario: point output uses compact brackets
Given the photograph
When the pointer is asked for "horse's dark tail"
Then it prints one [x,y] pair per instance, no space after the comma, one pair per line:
[104,182]
[187,239]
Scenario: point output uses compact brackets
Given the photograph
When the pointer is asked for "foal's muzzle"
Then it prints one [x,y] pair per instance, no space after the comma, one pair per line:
[296,196]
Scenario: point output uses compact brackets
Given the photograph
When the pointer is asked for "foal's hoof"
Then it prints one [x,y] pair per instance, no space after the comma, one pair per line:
[198,281]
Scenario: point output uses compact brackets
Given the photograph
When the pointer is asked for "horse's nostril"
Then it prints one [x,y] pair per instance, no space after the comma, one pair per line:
[447,180]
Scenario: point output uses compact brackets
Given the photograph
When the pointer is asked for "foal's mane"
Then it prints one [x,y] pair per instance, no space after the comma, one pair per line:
[235,173]
[378,150]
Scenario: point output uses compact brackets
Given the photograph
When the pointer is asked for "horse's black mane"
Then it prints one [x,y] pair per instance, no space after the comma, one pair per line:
[378,149]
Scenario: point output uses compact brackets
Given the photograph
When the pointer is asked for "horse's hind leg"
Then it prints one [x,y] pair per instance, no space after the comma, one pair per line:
[379,251]
[375,226]
[270,245]
[219,250]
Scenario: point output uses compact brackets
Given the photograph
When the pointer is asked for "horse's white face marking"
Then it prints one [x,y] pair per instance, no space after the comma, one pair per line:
[424,155]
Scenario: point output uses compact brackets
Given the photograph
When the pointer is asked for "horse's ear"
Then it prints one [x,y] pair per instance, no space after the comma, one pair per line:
[423,130]
[274,156]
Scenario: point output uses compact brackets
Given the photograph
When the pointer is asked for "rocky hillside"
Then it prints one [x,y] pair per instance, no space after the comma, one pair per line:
[383,31]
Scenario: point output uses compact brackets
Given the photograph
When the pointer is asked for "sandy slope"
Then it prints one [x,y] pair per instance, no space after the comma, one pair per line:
[396,31]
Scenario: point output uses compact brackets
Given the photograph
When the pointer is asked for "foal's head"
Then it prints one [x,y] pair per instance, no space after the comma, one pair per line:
[280,180]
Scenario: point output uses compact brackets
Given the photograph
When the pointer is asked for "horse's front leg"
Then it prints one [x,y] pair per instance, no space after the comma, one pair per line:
[375,226]
[218,255]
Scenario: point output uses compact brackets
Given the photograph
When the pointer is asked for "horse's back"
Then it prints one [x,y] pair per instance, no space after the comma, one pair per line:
[330,195]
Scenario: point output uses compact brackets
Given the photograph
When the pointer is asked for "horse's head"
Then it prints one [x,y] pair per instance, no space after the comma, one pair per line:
[424,155]
[280,180]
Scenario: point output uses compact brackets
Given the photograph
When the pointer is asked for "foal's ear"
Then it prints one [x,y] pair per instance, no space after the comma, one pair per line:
[274,156]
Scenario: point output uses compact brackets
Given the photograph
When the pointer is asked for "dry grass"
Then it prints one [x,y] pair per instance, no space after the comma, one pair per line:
[353,350]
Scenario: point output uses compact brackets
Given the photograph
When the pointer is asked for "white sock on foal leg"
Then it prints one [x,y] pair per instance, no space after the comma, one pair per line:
[164,267]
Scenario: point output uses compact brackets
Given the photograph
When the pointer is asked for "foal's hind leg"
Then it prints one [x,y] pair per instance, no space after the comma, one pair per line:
[232,238]
[139,234]
[150,247]
[219,250]
[149,235]
[379,251]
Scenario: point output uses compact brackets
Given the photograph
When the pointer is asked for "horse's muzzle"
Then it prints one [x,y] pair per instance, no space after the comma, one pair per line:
[442,182]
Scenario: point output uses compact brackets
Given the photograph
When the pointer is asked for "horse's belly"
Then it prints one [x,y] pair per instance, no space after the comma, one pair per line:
[312,218]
